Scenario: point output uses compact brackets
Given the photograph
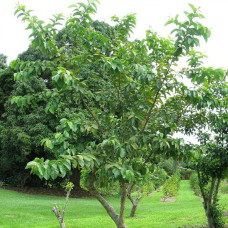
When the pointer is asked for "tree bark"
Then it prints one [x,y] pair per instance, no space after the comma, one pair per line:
[57,212]
[122,206]
[216,190]
[134,202]
[207,201]
[210,219]
[58,216]
[133,210]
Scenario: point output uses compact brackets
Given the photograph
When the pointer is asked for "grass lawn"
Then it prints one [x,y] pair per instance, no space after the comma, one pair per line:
[28,211]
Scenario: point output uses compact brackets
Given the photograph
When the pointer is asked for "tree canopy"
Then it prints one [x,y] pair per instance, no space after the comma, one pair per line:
[119,101]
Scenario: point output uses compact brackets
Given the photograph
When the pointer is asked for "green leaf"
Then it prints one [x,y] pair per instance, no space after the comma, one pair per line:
[41,170]
[47,172]
[193,7]
[130,175]
[116,173]
[62,169]
[54,171]
[49,144]
[135,146]
[67,164]
[80,161]
[74,163]
[122,152]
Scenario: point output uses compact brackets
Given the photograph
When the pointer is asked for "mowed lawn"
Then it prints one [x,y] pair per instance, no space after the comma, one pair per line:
[23,210]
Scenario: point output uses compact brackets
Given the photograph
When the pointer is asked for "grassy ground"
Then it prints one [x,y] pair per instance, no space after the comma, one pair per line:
[33,211]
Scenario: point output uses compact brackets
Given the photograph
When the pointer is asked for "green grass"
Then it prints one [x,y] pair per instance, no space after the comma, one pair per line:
[33,211]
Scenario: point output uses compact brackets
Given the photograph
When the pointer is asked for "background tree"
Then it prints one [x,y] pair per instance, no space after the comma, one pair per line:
[21,130]
[208,122]
[3,63]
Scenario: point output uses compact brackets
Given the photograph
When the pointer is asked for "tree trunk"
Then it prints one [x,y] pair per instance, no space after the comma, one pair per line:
[58,216]
[210,219]
[216,190]
[133,210]
[134,202]
[110,210]
[122,206]
[75,179]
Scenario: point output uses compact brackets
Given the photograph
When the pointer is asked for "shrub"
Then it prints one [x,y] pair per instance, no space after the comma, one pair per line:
[148,188]
[171,186]
[159,177]
[169,166]
[195,183]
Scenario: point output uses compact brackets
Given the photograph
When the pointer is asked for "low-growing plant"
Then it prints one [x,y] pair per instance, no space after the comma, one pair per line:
[171,186]
[159,177]
[194,182]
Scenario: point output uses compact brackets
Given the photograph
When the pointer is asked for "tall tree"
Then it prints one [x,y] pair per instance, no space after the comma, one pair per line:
[21,130]
[122,104]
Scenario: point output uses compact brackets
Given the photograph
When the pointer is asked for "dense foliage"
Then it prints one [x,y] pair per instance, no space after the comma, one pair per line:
[171,186]
[194,182]
[21,130]
[107,108]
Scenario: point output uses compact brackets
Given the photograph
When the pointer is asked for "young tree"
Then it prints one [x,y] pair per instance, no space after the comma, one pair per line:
[208,122]
[126,107]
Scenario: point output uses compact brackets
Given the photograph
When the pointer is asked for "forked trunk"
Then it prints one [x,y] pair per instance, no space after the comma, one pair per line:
[209,199]
[134,202]
[58,216]
[118,219]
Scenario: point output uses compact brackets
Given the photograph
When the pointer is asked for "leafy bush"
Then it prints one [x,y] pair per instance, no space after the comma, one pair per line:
[148,188]
[171,186]
[194,182]
[169,166]
[217,213]
[159,177]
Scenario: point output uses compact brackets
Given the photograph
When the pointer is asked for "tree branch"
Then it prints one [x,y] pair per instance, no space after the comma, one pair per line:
[122,204]
[129,193]
[211,190]
[182,113]
[110,210]
[92,114]
[216,190]
[155,99]
[202,191]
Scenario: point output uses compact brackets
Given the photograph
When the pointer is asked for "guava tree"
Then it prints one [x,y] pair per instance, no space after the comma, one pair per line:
[127,106]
